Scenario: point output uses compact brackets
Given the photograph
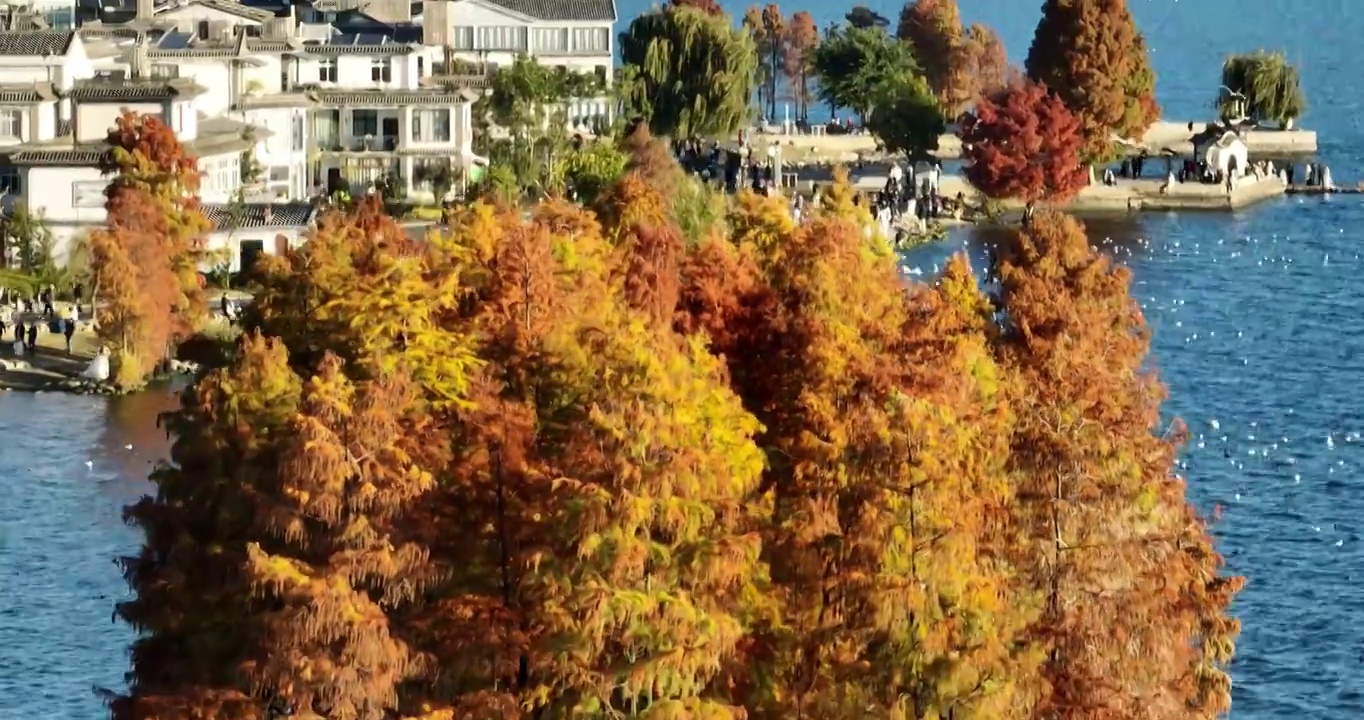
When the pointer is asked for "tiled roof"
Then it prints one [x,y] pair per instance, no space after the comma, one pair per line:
[37,92]
[183,45]
[258,215]
[80,156]
[109,33]
[62,152]
[38,42]
[111,90]
[357,45]
[570,10]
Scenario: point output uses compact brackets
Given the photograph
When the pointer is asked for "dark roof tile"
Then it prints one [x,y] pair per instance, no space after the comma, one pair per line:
[37,42]
[572,10]
[249,216]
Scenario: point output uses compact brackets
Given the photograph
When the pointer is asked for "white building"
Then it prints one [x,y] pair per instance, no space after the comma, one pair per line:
[244,232]
[573,34]
[314,108]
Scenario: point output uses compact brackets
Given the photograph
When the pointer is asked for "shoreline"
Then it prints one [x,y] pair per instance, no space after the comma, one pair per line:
[1163,134]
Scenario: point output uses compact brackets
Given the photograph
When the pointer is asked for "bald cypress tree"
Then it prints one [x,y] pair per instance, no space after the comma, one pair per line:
[1091,54]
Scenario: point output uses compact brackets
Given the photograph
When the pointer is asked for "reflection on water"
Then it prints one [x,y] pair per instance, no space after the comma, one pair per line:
[60,529]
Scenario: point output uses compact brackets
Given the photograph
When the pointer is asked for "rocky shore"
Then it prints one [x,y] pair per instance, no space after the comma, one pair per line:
[19,375]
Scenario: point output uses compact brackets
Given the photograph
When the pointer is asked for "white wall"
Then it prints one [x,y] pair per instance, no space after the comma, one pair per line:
[51,190]
[93,120]
[356,71]
[283,162]
[62,72]
[228,245]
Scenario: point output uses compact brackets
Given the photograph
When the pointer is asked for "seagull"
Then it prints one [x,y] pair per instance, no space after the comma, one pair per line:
[89,465]
[127,447]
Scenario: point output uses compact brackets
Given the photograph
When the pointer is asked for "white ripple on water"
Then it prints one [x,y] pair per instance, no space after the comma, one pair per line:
[60,529]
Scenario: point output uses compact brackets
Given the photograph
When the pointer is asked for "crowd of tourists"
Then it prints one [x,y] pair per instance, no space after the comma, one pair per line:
[27,314]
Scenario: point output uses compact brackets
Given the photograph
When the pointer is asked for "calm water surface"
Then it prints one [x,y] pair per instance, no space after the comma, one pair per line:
[1259,325]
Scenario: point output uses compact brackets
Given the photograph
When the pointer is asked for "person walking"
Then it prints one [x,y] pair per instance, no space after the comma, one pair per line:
[33,338]
[69,330]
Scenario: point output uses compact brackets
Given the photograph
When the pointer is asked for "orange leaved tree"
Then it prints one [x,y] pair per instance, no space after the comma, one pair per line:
[145,266]
[1133,618]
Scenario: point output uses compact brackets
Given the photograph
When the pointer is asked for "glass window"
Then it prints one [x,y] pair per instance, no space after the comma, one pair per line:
[10,181]
[296,134]
[326,70]
[431,125]
[381,70]
[11,124]
[364,123]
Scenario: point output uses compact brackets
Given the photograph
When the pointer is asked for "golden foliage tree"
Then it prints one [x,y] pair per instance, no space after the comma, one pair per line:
[1134,617]
[1091,54]
[145,265]
[566,465]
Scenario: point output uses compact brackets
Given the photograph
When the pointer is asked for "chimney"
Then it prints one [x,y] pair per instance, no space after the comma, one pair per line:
[435,23]
[139,68]
[145,9]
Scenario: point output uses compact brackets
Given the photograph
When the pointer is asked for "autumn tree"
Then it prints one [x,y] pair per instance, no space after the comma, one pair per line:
[988,59]
[802,36]
[1134,615]
[145,265]
[1091,54]
[1024,143]
[693,72]
[933,28]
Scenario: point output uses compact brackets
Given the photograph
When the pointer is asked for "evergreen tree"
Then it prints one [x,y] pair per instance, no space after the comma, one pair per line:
[1090,53]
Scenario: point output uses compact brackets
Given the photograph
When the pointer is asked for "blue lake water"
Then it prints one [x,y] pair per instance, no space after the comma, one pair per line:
[1259,324]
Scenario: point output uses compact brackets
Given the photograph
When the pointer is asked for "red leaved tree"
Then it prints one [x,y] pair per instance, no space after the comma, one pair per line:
[1023,143]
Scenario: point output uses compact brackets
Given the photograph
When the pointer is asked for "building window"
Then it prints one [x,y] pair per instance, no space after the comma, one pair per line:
[364,123]
[431,125]
[165,71]
[326,70]
[11,124]
[296,134]
[381,70]
[501,38]
[279,173]
[549,40]
[591,40]
[462,38]
[9,181]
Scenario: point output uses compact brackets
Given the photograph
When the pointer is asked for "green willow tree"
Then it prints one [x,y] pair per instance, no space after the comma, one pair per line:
[694,73]
[1263,86]
[1090,53]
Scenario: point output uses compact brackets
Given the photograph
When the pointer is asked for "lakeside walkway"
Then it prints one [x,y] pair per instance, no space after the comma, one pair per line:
[1163,135]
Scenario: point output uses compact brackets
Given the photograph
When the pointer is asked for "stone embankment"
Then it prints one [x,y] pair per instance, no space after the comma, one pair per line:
[1163,135]
[22,376]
